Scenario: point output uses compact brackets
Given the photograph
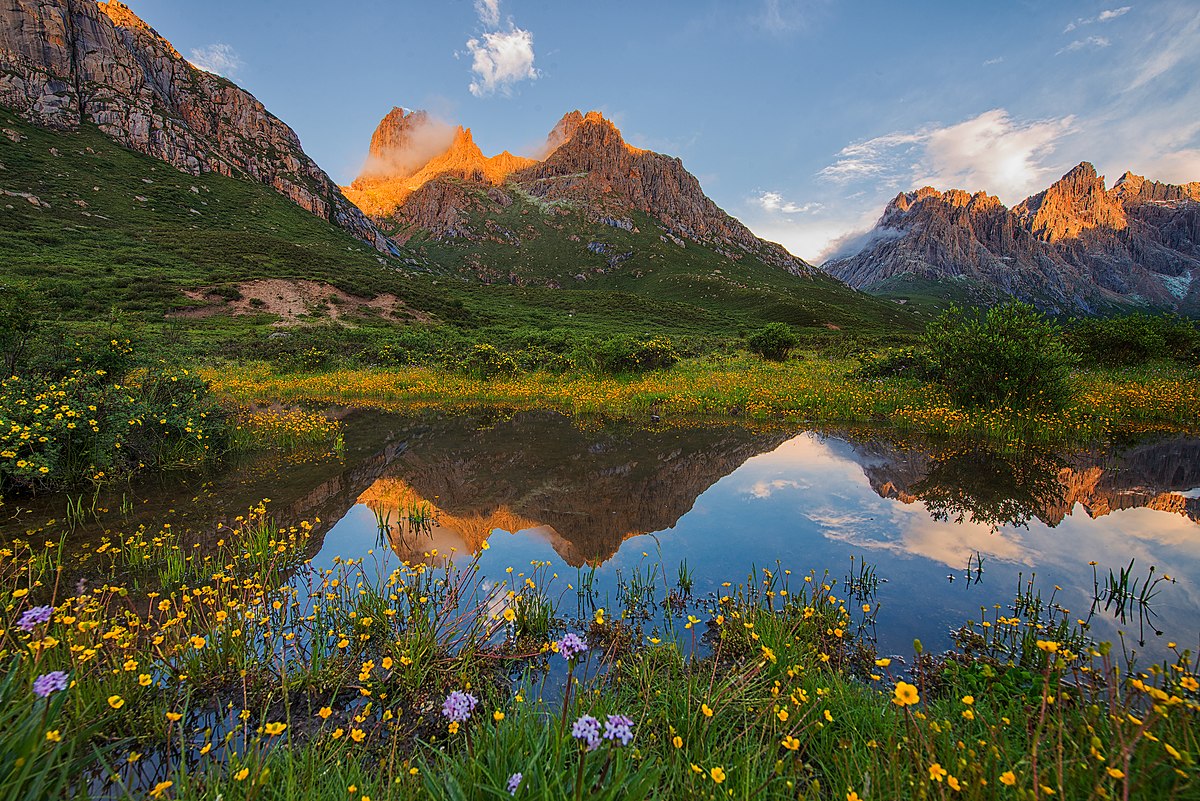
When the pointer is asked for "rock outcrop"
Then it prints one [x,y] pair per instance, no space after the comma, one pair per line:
[1076,247]
[410,149]
[66,63]
[586,166]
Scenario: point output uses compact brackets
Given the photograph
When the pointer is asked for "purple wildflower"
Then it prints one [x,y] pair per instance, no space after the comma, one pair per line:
[571,645]
[587,729]
[459,706]
[32,617]
[49,683]
[618,727]
[514,781]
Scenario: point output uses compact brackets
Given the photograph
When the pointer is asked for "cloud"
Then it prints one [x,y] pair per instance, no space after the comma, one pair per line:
[488,12]
[992,61]
[787,16]
[765,489]
[501,61]
[775,202]
[991,151]
[1103,16]
[1093,42]
[1165,52]
[219,59]
[501,58]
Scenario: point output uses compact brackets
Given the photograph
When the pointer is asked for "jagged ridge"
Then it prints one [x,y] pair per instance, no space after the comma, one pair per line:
[1076,247]
[587,166]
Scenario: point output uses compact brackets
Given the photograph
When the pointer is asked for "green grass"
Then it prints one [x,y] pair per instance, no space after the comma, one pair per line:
[149,232]
[804,390]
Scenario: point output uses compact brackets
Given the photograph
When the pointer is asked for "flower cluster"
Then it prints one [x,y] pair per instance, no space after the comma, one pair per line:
[48,683]
[32,617]
[587,731]
[458,706]
[618,727]
[514,781]
[571,646]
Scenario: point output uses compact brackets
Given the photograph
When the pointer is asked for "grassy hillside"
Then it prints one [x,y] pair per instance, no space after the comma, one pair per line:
[115,231]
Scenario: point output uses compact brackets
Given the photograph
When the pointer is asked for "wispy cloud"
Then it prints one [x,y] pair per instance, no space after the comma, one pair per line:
[787,16]
[1164,53]
[1103,16]
[488,12]
[776,203]
[500,58]
[992,61]
[991,151]
[1092,43]
[219,59]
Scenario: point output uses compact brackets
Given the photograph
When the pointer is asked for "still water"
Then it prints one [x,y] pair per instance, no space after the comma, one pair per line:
[948,528]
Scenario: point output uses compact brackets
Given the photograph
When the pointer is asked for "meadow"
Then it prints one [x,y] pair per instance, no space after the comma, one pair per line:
[150,666]
[806,390]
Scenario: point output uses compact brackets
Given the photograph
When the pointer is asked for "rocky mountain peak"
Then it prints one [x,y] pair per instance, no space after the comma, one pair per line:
[69,62]
[1076,202]
[1074,247]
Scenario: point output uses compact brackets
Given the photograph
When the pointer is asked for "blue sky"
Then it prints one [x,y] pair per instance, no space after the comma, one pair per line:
[800,117]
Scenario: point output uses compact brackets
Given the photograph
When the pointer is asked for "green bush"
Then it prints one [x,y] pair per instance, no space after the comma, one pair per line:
[635,355]
[898,363]
[485,361]
[1012,357]
[56,433]
[773,341]
[1136,339]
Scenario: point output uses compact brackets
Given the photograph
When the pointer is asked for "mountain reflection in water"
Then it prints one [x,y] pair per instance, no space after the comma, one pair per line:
[537,486]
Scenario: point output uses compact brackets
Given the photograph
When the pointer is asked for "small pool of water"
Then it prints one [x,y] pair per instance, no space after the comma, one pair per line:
[948,528]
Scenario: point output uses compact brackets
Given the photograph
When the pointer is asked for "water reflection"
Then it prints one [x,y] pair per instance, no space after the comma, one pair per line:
[728,500]
[540,487]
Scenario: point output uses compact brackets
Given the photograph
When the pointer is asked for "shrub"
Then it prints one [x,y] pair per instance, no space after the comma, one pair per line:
[87,427]
[773,341]
[1136,339]
[631,355]
[901,363]
[1013,357]
[484,361]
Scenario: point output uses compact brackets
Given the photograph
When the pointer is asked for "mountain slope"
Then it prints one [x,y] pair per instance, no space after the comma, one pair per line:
[593,213]
[1077,247]
[64,63]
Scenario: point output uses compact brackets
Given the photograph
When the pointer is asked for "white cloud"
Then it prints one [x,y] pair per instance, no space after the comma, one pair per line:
[1103,16]
[489,12]
[219,59]
[991,151]
[992,61]
[1092,42]
[501,58]
[776,203]
[501,61]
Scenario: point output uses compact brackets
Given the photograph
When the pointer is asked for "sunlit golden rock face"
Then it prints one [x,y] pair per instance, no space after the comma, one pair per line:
[411,184]
[1075,203]
[409,149]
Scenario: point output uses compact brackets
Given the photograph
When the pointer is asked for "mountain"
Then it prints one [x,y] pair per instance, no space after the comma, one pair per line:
[591,212]
[587,167]
[1077,247]
[70,63]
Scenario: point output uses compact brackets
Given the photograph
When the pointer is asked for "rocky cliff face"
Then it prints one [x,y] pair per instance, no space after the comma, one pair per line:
[410,149]
[1076,247]
[65,63]
[587,167]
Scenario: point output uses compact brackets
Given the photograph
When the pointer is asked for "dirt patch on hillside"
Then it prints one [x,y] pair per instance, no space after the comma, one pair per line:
[294,302]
